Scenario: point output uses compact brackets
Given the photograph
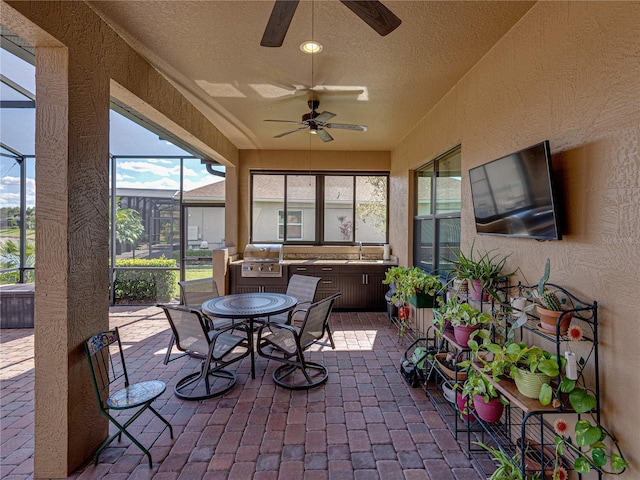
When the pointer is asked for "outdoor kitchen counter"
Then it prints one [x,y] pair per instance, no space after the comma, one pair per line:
[359,281]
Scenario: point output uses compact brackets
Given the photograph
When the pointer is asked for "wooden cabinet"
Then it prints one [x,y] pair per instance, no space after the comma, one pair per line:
[361,285]
[240,284]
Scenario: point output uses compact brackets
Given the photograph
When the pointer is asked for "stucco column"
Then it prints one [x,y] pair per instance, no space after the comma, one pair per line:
[72,155]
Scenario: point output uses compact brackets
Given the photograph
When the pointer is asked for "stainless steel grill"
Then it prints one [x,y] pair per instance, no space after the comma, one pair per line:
[262,260]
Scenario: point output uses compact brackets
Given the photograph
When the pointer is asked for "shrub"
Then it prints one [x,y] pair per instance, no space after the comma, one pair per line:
[145,286]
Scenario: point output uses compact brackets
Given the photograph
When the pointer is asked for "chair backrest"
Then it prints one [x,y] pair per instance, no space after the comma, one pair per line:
[315,321]
[189,329]
[303,288]
[104,352]
[194,292]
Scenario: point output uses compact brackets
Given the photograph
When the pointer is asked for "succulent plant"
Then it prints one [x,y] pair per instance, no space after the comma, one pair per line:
[546,297]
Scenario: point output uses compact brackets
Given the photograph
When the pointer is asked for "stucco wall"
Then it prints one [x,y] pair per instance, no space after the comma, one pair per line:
[568,72]
[298,161]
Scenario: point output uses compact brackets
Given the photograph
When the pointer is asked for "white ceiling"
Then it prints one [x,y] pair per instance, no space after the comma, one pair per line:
[210,49]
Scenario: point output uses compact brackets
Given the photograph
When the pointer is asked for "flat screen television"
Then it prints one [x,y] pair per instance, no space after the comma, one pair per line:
[514,195]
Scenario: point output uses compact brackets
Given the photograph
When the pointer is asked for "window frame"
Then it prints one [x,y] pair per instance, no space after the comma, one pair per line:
[319,205]
[434,215]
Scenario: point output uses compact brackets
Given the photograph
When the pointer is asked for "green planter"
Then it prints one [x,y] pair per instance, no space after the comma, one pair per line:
[422,300]
[529,384]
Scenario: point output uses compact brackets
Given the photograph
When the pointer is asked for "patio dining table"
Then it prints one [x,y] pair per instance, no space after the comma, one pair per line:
[249,306]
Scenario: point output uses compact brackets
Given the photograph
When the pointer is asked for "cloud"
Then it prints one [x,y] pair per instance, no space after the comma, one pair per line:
[162,161]
[160,184]
[9,182]
[147,167]
[10,199]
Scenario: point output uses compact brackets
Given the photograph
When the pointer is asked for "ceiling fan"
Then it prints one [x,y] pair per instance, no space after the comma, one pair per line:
[372,12]
[317,123]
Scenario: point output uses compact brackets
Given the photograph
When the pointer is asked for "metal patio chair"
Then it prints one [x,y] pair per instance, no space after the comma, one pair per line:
[108,369]
[303,288]
[288,343]
[192,294]
[218,348]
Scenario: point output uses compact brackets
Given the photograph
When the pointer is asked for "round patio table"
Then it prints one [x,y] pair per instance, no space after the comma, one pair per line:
[249,306]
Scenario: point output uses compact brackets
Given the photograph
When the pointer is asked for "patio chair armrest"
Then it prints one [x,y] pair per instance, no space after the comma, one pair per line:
[217,332]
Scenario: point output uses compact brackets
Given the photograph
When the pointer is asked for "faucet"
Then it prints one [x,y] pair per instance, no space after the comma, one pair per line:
[360,256]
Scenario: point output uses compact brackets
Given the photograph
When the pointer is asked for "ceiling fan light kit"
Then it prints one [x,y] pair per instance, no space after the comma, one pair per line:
[317,123]
[372,12]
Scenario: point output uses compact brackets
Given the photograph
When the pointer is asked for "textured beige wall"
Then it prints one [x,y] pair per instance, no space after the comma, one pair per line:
[568,72]
[297,161]
[80,62]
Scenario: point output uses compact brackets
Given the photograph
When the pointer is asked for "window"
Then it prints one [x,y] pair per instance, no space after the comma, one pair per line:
[294,224]
[320,208]
[437,206]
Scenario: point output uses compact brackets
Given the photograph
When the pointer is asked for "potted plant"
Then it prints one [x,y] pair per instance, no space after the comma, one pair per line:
[464,319]
[530,367]
[487,402]
[549,306]
[482,271]
[413,281]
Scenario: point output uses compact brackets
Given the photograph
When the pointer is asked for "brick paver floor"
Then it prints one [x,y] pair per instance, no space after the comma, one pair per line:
[364,423]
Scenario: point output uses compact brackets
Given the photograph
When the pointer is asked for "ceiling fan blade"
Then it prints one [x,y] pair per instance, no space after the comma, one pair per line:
[286,121]
[323,117]
[347,126]
[375,14]
[324,135]
[278,23]
[290,131]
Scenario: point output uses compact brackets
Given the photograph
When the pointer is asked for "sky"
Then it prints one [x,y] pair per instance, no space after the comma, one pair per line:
[17,131]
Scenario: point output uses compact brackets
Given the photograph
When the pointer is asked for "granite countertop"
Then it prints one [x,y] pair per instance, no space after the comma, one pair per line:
[334,261]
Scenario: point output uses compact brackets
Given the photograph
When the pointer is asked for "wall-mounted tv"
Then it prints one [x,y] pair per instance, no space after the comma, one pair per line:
[514,195]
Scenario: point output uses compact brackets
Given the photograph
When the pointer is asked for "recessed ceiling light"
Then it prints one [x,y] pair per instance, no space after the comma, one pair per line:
[311,47]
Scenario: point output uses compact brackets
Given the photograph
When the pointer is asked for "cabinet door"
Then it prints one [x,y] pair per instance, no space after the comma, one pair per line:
[375,291]
[353,288]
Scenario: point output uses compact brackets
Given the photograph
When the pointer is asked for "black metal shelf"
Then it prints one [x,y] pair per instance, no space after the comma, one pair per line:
[525,423]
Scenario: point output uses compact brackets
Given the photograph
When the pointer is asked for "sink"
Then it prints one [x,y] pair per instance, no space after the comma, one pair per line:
[366,261]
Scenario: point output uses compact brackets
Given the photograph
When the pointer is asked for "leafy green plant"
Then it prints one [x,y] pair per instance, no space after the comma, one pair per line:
[460,314]
[478,384]
[487,267]
[508,467]
[591,448]
[410,280]
[507,358]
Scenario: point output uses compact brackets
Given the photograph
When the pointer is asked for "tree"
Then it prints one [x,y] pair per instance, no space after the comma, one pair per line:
[129,226]
[374,210]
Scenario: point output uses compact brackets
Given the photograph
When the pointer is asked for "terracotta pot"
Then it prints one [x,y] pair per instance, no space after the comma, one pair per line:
[490,411]
[464,409]
[458,376]
[549,319]
[476,292]
[462,334]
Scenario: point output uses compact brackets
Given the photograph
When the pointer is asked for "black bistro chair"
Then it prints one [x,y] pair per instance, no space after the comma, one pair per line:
[288,343]
[108,369]
[218,349]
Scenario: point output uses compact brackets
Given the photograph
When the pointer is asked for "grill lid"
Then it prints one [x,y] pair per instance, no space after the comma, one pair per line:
[263,252]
